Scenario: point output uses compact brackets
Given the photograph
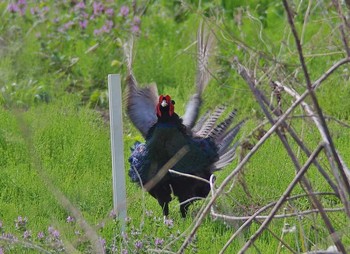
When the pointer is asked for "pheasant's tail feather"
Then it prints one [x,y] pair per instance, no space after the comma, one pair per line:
[225,159]
[219,130]
[205,41]
[209,123]
[225,141]
[204,48]
[128,52]
[200,122]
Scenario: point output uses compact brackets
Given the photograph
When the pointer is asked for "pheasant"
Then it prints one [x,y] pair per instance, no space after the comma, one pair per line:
[179,155]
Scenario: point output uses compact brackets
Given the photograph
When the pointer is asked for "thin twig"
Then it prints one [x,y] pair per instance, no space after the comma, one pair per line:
[317,122]
[282,199]
[262,209]
[164,170]
[188,175]
[277,216]
[341,27]
[333,68]
[238,168]
[26,244]
[302,146]
[329,147]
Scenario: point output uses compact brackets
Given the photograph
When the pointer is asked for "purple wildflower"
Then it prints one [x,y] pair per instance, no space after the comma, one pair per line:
[84,15]
[21,223]
[40,235]
[107,27]
[113,214]
[27,234]
[70,219]
[34,10]
[138,244]
[135,29]
[97,32]
[124,11]
[1,251]
[98,8]
[68,25]
[80,6]
[103,243]
[50,229]
[125,236]
[55,233]
[109,12]
[9,236]
[169,223]
[22,5]
[12,7]
[158,241]
[149,213]
[137,21]
[124,251]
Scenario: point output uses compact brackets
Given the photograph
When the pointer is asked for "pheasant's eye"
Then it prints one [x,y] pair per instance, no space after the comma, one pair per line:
[173,102]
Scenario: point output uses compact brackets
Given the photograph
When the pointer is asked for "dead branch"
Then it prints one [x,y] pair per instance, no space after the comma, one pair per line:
[276,216]
[282,199]
[330,148]
[255,216]
[333,68]
[309,112]
[341,27]
[204,212]
[303,147]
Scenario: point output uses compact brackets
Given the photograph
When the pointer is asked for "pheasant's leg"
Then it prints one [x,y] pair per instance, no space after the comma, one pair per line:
[165,207]
[162,193]
[184,209]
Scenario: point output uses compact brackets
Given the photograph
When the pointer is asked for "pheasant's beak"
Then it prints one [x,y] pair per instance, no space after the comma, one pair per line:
[164,103]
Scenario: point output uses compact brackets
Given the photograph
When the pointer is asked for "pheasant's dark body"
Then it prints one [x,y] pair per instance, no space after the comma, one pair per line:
[207,146]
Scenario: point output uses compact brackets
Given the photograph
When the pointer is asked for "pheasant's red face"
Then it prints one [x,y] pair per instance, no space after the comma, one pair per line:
[164,102]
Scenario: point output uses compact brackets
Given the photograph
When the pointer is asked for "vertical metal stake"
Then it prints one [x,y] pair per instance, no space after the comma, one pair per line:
[117,146]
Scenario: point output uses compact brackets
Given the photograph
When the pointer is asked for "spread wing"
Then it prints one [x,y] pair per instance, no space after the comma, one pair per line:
[141,102]
[204,45]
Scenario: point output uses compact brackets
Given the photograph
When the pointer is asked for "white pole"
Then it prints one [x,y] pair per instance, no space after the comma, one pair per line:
[117,146]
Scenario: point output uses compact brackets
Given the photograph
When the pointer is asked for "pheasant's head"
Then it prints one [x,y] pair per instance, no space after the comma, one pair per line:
[165,106]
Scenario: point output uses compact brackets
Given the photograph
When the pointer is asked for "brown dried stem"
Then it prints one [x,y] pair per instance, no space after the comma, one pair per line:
[329,146]
[206,209]
[282,199]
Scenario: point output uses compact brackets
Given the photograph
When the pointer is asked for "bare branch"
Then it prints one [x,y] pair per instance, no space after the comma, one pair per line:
[282,199]
[341,27]
[276,216]
[309,112]
[330,148]
[189,175]
[204,212]
[162,172]
[334,67]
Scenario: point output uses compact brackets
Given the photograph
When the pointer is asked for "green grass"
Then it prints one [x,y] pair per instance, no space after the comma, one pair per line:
[69,145]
